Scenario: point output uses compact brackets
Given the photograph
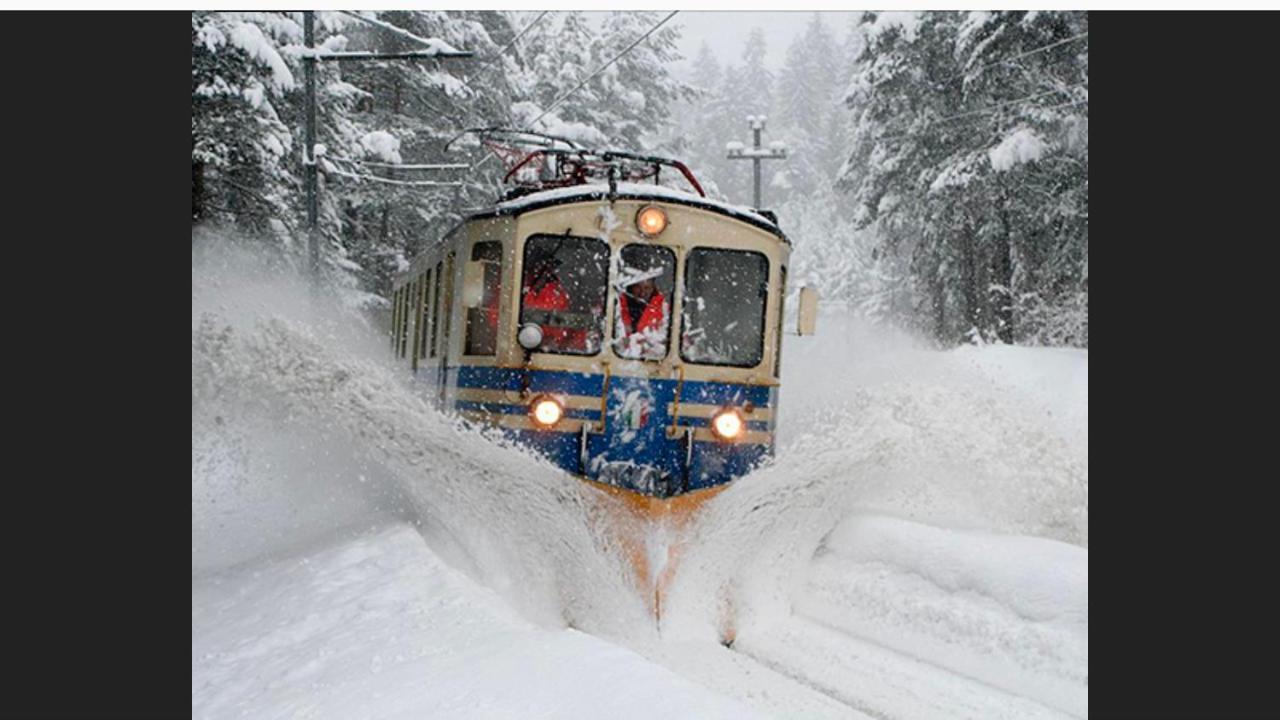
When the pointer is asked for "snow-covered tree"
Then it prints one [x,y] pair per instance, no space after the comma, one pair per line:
[240,148]
[969,157]
[624,105]
[247,111]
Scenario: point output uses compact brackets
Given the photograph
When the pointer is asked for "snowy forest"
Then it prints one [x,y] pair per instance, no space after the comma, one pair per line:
[937,177]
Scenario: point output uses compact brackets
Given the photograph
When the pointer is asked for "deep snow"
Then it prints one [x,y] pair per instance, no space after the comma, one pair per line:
[379,627]
[918,548]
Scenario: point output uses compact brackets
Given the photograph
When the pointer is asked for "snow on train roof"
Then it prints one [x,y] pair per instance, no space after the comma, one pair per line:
[626,189]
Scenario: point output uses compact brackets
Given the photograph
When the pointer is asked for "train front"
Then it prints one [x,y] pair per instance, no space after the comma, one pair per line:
[652,331]
[648,323]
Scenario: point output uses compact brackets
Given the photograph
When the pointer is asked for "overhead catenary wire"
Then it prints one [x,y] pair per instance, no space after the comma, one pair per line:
[601,69]
[498,56]
[399,166]
[389,181]
[431,43]
[588,78]
[990,109]
[994,63]
[1019,56]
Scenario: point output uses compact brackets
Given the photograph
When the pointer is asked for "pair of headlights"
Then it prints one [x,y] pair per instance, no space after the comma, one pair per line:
[546,411]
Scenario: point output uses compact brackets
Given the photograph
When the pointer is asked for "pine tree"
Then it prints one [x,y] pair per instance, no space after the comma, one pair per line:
[963,164]
[240,147]
[246,151]
[624,105]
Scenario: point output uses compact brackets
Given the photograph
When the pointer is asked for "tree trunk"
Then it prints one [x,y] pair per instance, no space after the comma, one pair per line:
[1002,271]
[197,191]
[972,296]
[937,291]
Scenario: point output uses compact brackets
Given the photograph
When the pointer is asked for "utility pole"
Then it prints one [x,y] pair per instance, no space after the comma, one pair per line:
[777,150]
[310,166]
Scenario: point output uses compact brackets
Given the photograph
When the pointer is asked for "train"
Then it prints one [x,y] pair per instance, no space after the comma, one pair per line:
[629,331]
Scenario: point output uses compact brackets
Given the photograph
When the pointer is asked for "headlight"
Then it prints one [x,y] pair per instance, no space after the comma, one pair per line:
[727,424]
[651,220]
[530,336]
[546,411]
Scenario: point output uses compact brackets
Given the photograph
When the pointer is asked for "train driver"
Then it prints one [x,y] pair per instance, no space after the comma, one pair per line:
[544,292]
[643,312]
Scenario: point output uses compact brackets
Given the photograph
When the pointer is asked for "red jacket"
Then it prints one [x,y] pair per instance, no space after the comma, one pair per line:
[645,337]
[554,298]
[653,317]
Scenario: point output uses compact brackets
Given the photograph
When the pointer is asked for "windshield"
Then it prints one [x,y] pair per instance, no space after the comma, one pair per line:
[724,303]
[642,319]
[563,292]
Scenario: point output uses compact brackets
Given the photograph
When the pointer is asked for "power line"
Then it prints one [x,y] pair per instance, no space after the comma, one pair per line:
[1019,56]
[389,181]
[498,56]
[508,46]
[601,69]
[399,166]
[431,43]
[990,109]
[1005,61]
[588,78]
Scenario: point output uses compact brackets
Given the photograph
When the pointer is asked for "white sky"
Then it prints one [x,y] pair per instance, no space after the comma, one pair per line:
[726,33]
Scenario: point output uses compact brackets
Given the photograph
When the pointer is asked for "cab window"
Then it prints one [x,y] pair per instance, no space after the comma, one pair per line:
[724,303]
[563,289]
[643,283]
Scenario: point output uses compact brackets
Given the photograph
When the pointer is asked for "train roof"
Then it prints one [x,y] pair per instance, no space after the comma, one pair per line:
[628,191]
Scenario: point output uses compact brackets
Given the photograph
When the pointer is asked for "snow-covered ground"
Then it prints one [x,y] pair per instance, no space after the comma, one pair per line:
[378,626]
[917,549]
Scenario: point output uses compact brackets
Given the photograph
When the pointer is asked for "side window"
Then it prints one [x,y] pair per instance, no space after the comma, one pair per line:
[563,291]
[404,319]
[482,321]
[426,313]
[395,318]
[643,282]
[415,297]
[777,329]
[446,298]
[435,309]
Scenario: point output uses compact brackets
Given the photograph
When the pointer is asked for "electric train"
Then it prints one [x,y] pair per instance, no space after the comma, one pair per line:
[629,331]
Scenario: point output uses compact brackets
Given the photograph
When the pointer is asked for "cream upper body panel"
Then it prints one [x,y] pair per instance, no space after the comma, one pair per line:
[614,222]
[687,228]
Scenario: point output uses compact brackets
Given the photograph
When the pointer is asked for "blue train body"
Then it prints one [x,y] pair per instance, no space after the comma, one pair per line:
[644,443]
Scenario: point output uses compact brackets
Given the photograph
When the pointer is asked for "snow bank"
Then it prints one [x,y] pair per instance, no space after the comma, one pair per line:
[1011,611]
[875,423]
[1040,579]
[1054,380]
[303,429]
[380,627]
